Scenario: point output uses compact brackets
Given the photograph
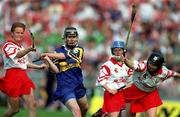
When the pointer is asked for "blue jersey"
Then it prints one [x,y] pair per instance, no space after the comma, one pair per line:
[70,78]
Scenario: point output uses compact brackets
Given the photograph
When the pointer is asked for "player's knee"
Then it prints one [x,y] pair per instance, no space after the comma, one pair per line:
[122,113]
[76,112]
[85,109]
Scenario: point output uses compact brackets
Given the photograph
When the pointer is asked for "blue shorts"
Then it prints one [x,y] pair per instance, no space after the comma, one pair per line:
[65,95]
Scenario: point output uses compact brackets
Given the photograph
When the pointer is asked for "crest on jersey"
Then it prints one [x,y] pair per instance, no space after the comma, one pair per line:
[75,51]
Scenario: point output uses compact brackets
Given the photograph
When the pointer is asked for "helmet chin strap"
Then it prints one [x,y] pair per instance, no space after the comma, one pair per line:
[118,58]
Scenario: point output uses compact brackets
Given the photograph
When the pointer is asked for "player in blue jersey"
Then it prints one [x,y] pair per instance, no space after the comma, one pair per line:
[68,59]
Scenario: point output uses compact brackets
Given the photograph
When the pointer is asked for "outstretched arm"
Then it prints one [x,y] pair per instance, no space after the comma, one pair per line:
[35,66]
[24,52]
[177,75]
[52,66]
[129,63]
[54,55]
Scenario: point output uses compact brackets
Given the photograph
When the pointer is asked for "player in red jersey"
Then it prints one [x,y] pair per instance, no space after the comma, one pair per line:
[142,95]
[16,84]
[113,76]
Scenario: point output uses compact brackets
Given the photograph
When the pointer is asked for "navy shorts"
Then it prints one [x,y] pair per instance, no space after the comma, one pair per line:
[66,94]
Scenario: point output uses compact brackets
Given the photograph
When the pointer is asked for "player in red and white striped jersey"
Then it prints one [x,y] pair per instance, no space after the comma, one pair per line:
[16,83]
[112,77]
[143,95]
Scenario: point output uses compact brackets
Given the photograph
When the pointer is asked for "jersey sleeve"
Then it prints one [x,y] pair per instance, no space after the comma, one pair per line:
[167,73]
[104,74]
[10,50]
[140,66]
[128,70]
[55,60]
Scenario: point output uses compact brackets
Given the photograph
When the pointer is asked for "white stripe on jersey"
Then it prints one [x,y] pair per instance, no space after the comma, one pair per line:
[10,50]
[145,81]
[113,74]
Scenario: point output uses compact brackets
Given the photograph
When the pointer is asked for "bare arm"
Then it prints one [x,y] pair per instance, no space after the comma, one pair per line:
[177,75]
[24,52]
[35,66]
[54,55]
[129,63]
[52,66]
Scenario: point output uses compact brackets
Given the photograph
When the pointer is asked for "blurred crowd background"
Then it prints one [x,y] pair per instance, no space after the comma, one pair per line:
[99,22]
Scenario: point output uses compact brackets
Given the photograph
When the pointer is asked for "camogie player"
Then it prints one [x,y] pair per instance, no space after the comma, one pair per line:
[16,84]
[68,59]
[143,95]
[113,76]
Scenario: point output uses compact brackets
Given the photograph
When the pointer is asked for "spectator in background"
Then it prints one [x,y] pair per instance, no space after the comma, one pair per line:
[16,84]
[70,89]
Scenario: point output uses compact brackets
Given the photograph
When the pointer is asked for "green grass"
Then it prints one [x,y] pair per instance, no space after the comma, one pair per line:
[40,113]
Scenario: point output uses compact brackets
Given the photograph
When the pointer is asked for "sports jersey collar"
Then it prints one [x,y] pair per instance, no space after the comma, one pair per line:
[158,72]
[14,43]
[67,48]
[113,60]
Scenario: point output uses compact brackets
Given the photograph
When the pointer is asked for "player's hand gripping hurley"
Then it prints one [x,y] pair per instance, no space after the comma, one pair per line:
[126,44]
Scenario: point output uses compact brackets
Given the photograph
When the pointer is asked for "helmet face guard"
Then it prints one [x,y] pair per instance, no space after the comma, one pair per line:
[70,32]
[155,61]
[117,44]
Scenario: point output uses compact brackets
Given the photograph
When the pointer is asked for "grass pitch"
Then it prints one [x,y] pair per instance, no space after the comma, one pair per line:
[40,113]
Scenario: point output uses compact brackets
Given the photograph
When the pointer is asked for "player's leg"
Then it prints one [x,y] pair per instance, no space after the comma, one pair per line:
[151,112]
[98,113]
[81,97]
[122,113]
[113,114]
[83,104]
[128,112]
[73,106]
[13,107]
[30,103]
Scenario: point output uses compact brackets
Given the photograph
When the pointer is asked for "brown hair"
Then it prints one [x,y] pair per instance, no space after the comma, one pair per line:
[17,24]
